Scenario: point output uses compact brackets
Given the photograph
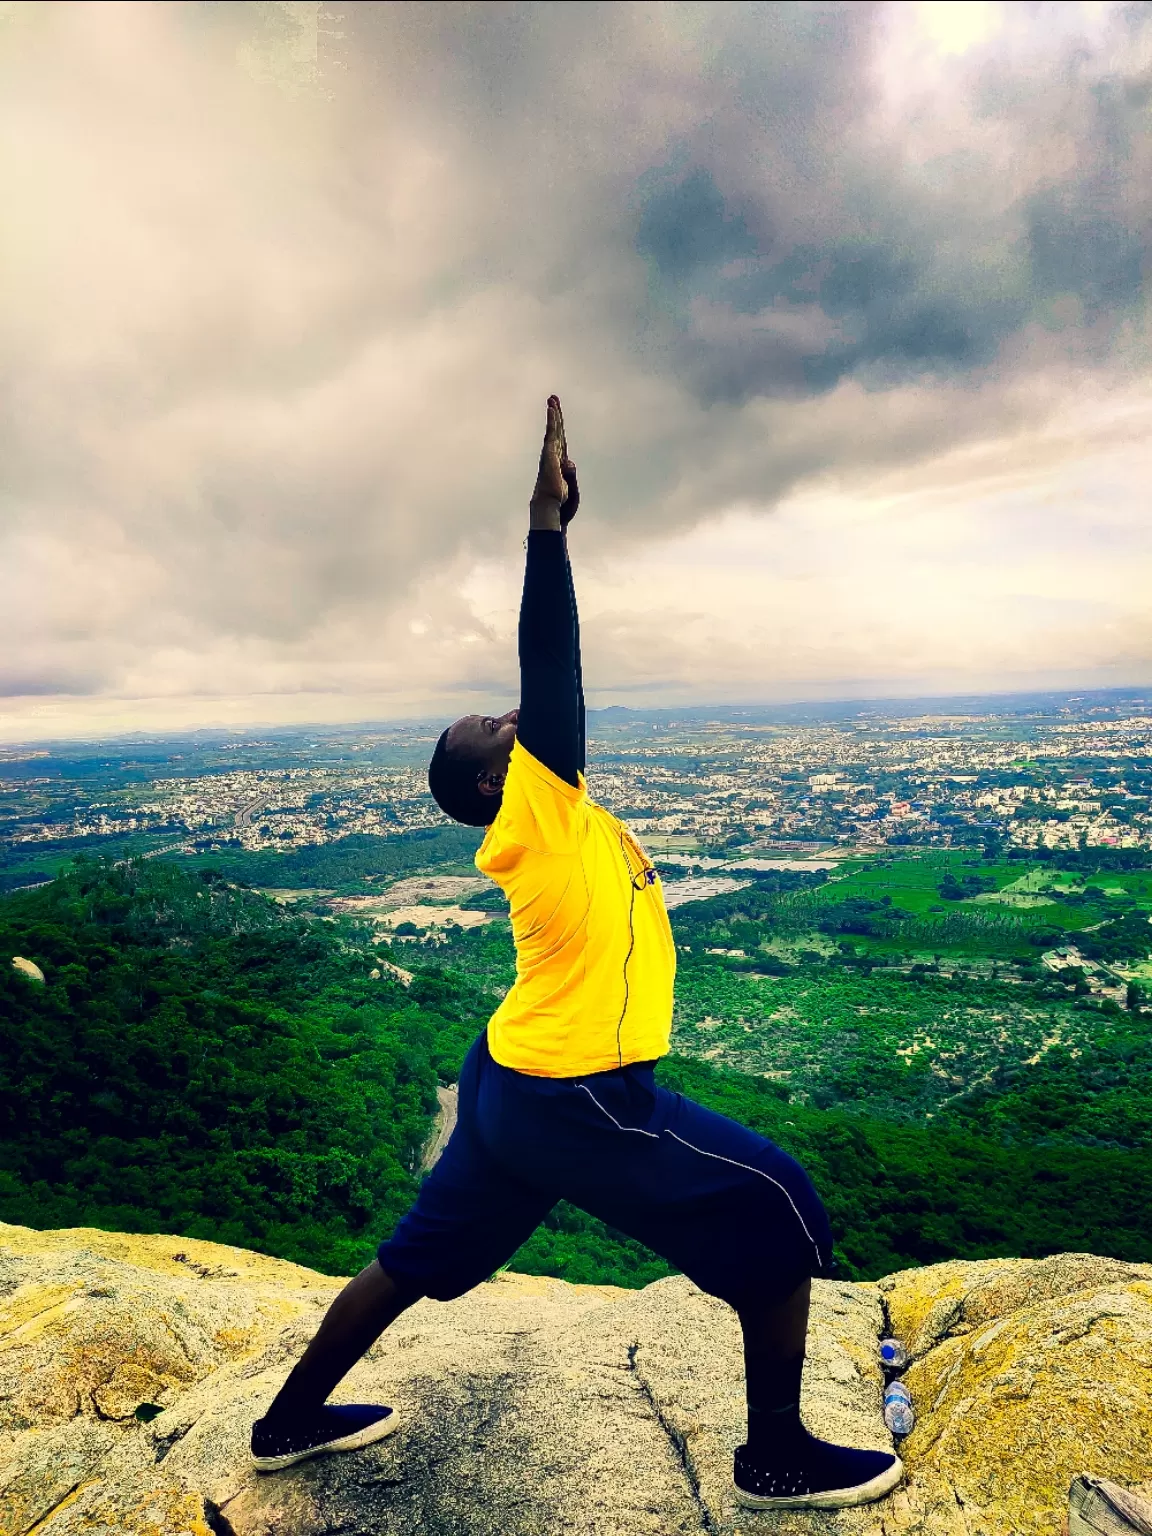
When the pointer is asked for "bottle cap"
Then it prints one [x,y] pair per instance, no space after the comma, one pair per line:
[893,1353]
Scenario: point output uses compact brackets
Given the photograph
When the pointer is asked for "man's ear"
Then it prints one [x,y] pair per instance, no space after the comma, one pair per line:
[490,783]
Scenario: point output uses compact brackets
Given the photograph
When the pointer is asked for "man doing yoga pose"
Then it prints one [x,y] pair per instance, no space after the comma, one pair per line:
[558,1098]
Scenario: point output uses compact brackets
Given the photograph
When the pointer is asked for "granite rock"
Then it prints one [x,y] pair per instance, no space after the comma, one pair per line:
[531,1407]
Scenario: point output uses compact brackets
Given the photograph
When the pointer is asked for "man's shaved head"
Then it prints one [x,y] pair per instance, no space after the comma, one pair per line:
[468,767]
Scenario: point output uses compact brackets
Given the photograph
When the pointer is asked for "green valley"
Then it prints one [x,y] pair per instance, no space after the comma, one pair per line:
[206,1060]
[914,948]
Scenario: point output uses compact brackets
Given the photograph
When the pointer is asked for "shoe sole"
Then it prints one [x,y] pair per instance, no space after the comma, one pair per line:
[366,1436]
[831,1498]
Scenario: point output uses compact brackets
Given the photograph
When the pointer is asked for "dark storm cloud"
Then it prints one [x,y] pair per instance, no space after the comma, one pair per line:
[788,245]
[843,271]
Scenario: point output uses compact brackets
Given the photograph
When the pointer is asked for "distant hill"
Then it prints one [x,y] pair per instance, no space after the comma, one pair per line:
[802,711]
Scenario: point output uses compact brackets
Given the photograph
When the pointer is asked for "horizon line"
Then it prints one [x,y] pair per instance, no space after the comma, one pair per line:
[859,703]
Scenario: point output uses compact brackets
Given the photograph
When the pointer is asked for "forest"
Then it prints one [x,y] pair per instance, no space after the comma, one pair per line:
[198,1061]
[203,1061]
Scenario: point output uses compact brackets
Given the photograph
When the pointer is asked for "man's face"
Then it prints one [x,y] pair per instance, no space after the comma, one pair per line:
[486,738]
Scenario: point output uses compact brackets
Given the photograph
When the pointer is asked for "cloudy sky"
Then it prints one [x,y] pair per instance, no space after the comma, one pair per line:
[847,305]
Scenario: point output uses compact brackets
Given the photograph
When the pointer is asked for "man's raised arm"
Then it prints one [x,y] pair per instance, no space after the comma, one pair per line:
[551,723]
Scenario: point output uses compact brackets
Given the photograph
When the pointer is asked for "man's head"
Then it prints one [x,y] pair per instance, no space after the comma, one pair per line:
[467,771]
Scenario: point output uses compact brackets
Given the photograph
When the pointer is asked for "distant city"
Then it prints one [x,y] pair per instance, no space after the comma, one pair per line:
[1057,771]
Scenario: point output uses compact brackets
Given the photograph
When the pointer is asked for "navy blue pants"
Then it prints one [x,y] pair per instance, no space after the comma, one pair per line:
[724,1205]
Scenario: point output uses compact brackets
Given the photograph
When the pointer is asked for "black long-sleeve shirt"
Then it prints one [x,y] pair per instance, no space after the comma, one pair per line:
[551,724]
[592,993]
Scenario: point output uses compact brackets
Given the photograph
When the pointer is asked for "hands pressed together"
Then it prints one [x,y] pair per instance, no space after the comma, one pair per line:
[556,496]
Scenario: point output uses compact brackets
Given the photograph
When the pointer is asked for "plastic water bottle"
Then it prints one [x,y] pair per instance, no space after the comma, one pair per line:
[893,1354]
[899,1415]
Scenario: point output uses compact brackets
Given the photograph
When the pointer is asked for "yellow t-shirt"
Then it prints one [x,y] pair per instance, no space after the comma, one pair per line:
[595,960]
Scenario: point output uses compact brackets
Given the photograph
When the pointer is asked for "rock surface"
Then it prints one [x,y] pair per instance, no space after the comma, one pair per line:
[531,1408]
[1097,1507]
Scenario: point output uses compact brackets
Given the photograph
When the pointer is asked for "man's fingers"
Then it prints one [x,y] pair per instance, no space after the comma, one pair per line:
[551,434]
[556,425]
[572,500]
[551,480]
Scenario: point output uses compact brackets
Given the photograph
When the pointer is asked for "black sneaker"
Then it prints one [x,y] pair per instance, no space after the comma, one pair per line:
[336,1427]
[831,1477]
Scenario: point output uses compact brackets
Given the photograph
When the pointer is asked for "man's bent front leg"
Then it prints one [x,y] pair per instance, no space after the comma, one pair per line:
[352,1324]
[299,1423]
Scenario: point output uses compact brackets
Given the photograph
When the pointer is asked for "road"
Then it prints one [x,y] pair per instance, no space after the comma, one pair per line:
[445,1121]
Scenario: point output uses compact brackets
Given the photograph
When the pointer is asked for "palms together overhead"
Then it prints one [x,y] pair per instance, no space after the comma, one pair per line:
[556,478]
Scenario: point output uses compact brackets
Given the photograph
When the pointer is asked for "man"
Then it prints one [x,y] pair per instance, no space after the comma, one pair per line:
[557,1098]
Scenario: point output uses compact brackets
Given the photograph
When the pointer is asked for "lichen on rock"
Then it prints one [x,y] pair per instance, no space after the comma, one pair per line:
[1025,1372]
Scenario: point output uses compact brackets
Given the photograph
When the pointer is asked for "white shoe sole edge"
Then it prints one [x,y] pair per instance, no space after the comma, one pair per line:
[831,1498]
[366,1436]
